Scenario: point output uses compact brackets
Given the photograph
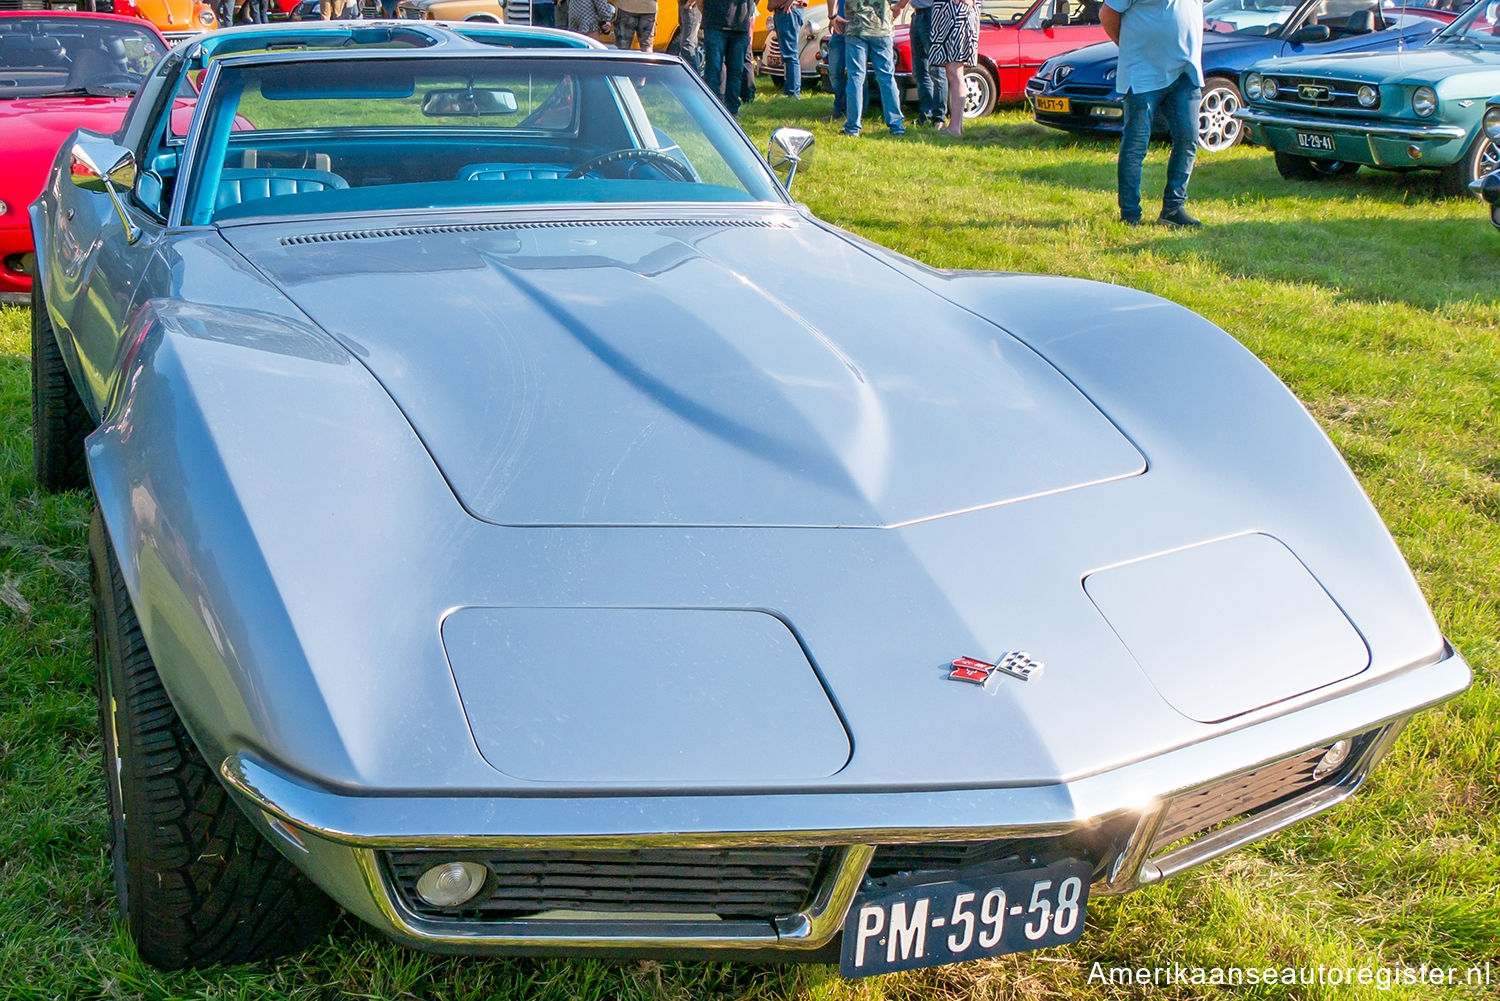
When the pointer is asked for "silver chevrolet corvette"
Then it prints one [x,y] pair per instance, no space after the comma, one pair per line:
[523,526]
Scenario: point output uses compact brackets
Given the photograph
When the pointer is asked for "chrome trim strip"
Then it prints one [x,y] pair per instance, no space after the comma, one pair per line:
[1126,872]
[1346,128]
[824,915]
[371,819]
[811,928]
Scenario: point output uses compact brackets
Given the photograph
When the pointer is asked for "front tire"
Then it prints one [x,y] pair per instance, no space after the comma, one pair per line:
[196,884]
[981,91]
[1306,168]
[1482,156]
[1218,129]
[59,420]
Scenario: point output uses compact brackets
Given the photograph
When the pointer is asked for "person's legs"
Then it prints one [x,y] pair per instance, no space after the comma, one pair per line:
[953,87]
[921,71]
[838,75]
[788,35]
[625,29]
[689,23]
[883,63]
[736,45]
[856,56]
[1135,136]
[1180,106]
[713,61]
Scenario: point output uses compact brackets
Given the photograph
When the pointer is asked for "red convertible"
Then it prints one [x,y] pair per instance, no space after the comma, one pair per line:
[59,71]
[1015,37]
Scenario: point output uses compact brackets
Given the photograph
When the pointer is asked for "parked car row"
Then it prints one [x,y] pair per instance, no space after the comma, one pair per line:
[1415,110]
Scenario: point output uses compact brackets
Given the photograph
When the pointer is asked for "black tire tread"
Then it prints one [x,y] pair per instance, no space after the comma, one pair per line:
[201,886]
[59,420]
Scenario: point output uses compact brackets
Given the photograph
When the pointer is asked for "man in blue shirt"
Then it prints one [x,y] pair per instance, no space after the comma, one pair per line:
[1160,67]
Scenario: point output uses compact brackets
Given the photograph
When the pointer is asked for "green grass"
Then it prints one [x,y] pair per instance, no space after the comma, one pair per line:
[1373,299]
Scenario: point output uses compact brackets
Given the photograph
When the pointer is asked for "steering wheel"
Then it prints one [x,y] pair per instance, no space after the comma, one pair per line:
[671,166]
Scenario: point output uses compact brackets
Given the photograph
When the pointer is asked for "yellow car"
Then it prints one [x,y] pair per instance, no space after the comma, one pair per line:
[177,19]
[519,12]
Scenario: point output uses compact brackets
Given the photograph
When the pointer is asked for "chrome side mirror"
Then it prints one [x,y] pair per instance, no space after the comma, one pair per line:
[789,147]
[99,165]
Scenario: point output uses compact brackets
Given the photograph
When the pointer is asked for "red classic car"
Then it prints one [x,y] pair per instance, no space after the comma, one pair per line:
[59,71]
[1015,37]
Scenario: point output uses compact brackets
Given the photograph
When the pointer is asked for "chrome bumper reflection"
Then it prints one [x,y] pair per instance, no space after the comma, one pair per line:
[1414,133]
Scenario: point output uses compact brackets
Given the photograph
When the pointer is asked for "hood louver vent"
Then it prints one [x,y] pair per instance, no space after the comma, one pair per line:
[390,232]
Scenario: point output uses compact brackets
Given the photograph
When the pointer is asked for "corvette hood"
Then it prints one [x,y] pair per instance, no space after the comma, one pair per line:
[744,369]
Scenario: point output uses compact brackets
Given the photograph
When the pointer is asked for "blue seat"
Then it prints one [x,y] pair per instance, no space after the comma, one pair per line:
[513,172]
[247,184]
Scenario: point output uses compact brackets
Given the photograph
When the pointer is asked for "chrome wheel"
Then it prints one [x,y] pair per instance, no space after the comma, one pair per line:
[1218,129]
[979,92]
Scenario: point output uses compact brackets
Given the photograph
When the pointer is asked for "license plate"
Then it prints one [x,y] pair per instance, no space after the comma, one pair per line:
[1061,105]
[975,915]
[1315,140]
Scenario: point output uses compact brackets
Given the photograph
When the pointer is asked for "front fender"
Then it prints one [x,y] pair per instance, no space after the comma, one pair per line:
[244,475]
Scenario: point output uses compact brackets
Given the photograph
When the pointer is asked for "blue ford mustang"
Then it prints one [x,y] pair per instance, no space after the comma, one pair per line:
[1076,91]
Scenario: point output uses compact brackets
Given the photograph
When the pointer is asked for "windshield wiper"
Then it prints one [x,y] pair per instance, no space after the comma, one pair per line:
[91,90]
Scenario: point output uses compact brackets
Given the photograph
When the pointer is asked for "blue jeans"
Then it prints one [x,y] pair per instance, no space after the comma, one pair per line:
[878,51]
[837,77]
[1178,103]
[724,53]
[932,80]
[689,21]
[788,36]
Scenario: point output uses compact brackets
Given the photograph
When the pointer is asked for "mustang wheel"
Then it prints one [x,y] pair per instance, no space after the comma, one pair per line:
[196,883]
[1480,158]
[1305,168]
[59,420]
[1218,129]
[980,91]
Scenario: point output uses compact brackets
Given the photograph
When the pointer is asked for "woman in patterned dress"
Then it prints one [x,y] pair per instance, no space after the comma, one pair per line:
[955,44]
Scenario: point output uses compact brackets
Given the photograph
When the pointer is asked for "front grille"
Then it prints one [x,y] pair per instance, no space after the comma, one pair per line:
[1316,93]
[1083,90]
[753,882]
[517,11]
[938,856]
[1249,793]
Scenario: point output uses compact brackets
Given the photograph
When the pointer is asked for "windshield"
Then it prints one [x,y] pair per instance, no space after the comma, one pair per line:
[1479,25]
[377,135]
[1248,17]
[55,56]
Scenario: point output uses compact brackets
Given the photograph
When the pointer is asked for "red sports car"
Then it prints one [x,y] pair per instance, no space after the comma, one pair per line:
[59,71]
[1015,37]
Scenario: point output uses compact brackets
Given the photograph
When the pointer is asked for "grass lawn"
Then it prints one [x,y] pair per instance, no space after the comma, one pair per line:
[1375,301]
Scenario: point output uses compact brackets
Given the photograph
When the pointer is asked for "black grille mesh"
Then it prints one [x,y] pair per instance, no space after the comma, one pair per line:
[935,856]
[760,883]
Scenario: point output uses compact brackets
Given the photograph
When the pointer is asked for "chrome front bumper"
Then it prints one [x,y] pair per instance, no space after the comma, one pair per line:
[338,838]
[1345,127]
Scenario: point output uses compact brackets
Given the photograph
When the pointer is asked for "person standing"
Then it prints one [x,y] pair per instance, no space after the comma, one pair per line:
[837,77]
[726,44]
[635,20]
[955,45]
[932,84]
[1160,68]
[689,24]
[868,46]
[590,17]
[787,19]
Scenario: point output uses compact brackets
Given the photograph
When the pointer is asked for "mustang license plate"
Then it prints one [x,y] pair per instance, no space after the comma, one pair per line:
[1061,105]
[1315,140]
[972,916]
